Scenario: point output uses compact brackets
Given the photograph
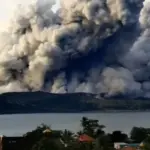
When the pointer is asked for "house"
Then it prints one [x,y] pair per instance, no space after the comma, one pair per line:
[119,145]
[12,143]
[86,138]
[1,137]
[127,146]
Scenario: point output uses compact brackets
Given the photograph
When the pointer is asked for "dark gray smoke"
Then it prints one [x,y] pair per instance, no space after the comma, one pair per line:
[96,46]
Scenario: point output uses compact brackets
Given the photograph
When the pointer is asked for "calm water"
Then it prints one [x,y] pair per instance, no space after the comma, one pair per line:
[19,124]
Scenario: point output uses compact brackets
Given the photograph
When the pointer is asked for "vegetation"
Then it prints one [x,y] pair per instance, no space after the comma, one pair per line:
[146,143]
[138,134]
[44,138]
[40,102]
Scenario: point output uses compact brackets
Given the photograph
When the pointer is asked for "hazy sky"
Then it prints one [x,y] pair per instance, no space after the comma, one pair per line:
[7,8]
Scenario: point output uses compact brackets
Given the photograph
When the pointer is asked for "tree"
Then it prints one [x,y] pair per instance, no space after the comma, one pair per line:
[139,134]
[104,143]
[48,144]
[91,127]
[67,137]
[146,144]
[35,135]
[118,136]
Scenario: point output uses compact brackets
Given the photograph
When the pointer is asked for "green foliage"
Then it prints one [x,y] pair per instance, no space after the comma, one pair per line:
[67,136]
[35,135]
[67,140]
[91,127]
[47,144]
[23,102]
[139,134]
[146,144]
[104,143]
[118,136]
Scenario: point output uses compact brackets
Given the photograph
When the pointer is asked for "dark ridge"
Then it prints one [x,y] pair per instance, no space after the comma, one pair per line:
[41,102]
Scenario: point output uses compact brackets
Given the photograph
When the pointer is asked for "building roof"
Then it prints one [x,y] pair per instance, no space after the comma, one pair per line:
[85,138]
[141,144]
[47,131]
[126,146]
[129,148]
[120,143]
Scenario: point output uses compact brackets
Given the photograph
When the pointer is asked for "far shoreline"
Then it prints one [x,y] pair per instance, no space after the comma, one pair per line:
[79,112]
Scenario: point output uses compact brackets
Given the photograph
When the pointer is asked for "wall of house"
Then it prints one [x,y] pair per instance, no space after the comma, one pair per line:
[1,137]
[13,143]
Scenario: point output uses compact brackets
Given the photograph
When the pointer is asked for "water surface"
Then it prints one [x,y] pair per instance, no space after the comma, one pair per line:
[11,125]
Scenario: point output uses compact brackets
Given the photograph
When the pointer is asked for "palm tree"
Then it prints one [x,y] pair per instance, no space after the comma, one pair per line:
[91,127]
[67,136]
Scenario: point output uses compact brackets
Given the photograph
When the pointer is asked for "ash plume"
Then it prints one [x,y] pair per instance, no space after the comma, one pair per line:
[94,46]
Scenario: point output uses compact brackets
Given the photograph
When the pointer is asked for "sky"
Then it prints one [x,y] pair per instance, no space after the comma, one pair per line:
[8,7]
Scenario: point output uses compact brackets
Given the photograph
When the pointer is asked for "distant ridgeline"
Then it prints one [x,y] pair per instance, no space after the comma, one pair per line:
[41,102]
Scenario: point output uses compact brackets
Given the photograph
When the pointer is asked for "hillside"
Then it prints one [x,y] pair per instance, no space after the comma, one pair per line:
[40,102]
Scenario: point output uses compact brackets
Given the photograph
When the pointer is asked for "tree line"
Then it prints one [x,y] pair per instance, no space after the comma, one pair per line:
[44,138]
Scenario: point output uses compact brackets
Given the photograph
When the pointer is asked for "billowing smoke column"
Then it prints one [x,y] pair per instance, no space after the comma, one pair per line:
[95,46]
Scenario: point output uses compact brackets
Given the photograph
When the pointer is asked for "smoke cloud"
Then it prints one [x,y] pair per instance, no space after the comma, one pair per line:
[94,46]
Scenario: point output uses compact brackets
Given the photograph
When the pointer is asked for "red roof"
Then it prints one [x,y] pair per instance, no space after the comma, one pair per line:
[129,148]
[85,138]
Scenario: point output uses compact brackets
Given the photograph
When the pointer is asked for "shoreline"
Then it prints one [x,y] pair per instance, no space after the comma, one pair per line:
[83,112]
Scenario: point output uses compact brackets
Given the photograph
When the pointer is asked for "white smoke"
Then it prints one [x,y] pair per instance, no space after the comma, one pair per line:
[40,42]
[138,57]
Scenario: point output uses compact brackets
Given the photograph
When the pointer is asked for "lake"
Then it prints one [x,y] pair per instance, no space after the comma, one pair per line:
[12,125]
